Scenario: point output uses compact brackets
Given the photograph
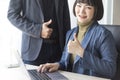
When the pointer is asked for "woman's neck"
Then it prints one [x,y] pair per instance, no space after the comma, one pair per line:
[83,27]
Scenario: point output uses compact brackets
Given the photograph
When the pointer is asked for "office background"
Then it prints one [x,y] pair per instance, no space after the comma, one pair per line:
[10,37]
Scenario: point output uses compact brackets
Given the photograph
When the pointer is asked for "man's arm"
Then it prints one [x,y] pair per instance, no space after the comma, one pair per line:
[16,17]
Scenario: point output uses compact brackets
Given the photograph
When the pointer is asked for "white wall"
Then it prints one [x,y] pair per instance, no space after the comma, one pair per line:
[10,37]
[116,12]
[108,12]
[73,19]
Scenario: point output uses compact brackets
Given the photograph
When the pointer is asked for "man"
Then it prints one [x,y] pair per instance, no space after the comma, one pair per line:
[44,24]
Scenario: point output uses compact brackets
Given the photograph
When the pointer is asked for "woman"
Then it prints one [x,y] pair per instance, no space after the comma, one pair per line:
[90,48]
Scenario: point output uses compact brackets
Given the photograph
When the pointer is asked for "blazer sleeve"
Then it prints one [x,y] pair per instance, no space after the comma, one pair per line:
[16,17]
[106,63]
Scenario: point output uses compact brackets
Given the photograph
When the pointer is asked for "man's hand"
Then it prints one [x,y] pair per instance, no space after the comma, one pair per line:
[74,47]
[46,31]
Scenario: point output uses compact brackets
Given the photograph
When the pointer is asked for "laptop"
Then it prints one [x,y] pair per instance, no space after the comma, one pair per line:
[46,76]
[34,75]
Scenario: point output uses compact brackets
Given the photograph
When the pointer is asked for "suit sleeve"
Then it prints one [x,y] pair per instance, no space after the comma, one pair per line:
[16,17]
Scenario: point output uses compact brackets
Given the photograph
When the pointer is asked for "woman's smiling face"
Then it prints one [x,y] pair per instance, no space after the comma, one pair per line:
[84,13]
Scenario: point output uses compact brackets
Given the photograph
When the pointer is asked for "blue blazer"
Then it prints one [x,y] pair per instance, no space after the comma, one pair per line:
[27,16]
[99,56]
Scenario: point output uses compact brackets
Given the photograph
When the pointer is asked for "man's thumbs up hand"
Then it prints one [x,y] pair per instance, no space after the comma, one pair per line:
[46,31]
[48,22]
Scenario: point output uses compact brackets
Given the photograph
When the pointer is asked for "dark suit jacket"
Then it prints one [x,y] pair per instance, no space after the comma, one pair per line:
[99,56]
[27,16]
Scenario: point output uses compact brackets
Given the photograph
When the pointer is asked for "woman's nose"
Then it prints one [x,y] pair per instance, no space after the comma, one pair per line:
[82,10]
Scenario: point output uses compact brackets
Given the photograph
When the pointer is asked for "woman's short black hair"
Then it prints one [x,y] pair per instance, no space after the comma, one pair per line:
[97,4]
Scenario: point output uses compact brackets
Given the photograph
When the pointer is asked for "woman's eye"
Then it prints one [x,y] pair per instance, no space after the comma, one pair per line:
[78,5]
[88,7]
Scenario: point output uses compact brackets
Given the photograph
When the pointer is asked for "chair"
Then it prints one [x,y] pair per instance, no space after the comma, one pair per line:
[115,29]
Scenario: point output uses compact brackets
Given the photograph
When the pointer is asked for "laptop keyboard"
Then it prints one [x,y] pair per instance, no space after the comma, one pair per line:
[38,76]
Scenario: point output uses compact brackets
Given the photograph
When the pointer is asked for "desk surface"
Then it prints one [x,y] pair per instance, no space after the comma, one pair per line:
[20,73]
[75,76]
[16,73]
